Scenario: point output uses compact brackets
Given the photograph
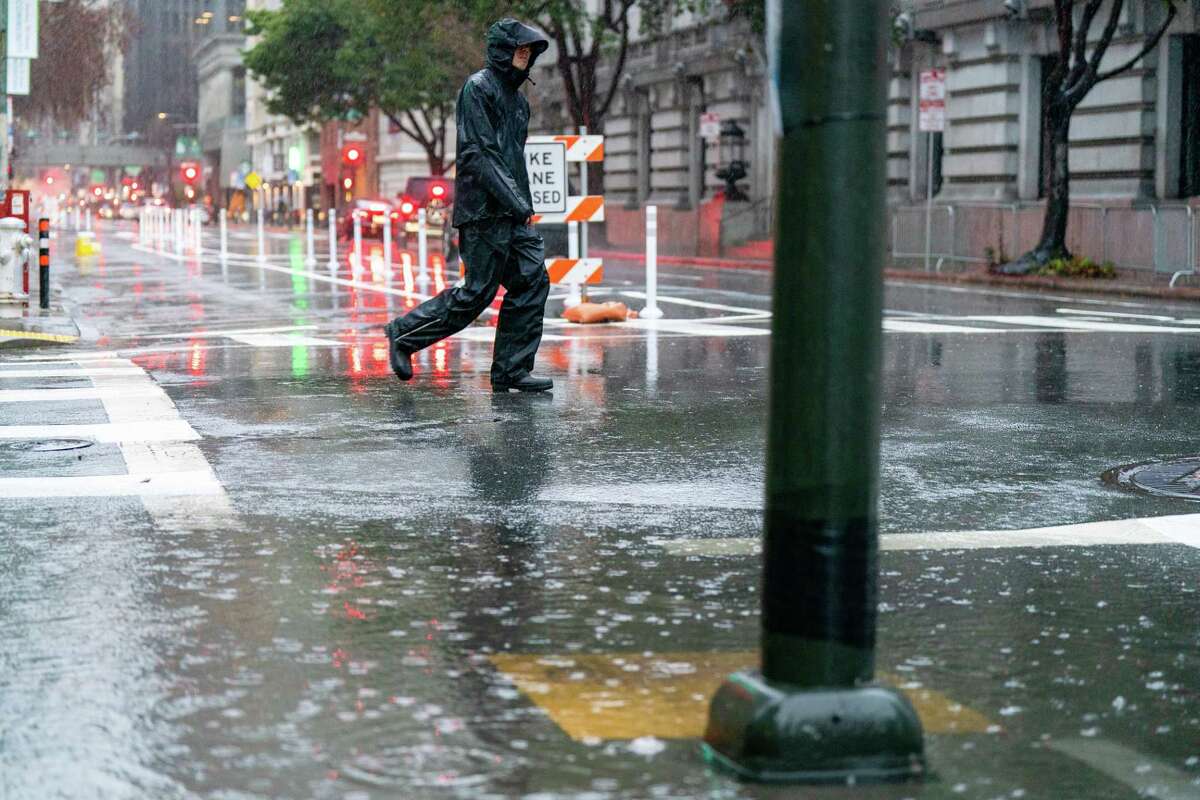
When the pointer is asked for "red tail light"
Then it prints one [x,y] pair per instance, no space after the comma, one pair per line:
[407,206]
[438,190]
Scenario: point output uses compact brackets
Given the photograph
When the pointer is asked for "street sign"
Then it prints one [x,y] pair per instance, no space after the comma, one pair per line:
[17,76]
[710,126]
[932,100]
[546,163]
[22,39]
[253,181]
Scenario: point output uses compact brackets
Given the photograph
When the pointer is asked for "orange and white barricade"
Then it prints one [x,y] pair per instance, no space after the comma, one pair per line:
[548,158]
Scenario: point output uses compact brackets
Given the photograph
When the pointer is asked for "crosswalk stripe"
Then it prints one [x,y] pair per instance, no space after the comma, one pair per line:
[109,432]
[60,395]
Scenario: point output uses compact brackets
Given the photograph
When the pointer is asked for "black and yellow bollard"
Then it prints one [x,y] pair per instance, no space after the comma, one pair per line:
[43,262]
[812,714]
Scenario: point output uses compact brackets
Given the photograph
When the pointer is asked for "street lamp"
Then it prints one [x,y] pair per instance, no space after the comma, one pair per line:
[733,156]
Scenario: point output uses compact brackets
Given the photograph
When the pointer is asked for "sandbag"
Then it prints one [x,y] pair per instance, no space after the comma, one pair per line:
[588,313]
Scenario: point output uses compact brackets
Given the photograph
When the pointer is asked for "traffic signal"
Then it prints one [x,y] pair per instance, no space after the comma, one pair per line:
[352,155]
[190,172]
[347,183]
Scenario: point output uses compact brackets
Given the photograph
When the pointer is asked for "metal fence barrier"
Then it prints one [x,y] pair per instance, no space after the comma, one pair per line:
[1157,239]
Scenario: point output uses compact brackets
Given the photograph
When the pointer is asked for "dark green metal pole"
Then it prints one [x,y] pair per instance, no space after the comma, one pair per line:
[810,715]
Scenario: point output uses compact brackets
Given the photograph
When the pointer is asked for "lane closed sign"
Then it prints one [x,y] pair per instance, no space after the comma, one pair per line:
[546,164]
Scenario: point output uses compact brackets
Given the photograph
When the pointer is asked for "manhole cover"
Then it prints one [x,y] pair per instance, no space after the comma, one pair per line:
[1178,477]
[48,445]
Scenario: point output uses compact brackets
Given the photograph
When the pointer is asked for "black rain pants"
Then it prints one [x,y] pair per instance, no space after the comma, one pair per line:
[497,252]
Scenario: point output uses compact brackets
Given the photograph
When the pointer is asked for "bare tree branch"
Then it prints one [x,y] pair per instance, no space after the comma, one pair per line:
[1149,45]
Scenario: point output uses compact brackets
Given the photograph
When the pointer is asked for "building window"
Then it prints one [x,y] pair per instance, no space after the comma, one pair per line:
[1189,118]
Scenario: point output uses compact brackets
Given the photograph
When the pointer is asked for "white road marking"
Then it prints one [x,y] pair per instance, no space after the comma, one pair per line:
[683,301]
[60,395]
[690,327]
[86,372]
[1182,529]
[1114,314]
[220,334]
[109,432]
[281,340]
[911,326]
[1145,775]
[152,484]
[1077,324]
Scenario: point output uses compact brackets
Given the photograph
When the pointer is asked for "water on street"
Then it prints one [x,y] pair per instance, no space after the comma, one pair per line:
[242,560]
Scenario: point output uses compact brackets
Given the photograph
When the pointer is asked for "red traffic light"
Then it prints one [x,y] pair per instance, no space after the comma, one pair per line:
[97,190]
[352,154]
[190,172]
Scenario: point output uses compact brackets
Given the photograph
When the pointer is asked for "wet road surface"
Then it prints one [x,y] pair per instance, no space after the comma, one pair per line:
[252,564]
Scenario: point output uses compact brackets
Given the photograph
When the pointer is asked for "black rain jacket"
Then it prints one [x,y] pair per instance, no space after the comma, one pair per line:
[493,121]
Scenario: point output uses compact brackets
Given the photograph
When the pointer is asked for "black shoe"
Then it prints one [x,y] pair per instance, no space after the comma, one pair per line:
[525,383]
[401,359]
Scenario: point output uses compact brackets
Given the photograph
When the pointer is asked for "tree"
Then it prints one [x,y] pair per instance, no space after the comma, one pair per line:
[331,59]
[1076,72]
[76,40]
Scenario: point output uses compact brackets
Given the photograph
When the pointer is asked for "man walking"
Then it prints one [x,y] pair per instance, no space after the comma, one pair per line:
[492,211]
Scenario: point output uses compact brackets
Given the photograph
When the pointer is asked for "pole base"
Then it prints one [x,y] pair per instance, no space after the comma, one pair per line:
[779,733]
[650,312]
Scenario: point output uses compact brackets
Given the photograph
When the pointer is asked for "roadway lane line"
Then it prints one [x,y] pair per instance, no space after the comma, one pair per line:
[691,327]
[1114,314]
[1147,776]
[1182,529]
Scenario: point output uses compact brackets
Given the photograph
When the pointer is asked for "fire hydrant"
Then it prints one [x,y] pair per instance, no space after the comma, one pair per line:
[15,246]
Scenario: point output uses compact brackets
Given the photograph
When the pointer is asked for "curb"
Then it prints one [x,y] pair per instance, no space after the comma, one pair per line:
[1028,283]
[1047,284]
[34,328]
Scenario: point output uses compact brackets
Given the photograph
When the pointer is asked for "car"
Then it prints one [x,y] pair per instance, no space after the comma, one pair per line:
[374,215]
[435,194]
[204,215]
[128,210]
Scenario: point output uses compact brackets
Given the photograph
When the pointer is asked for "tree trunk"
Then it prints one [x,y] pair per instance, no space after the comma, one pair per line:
[1053,241]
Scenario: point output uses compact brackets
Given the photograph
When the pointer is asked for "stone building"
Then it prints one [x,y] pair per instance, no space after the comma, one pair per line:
[654,153]
[221,104]
[1134,150]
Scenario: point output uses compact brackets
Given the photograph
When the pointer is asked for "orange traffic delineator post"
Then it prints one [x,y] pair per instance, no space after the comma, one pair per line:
[44,262]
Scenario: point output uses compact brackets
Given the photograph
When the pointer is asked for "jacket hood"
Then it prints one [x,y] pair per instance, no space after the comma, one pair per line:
[503,39]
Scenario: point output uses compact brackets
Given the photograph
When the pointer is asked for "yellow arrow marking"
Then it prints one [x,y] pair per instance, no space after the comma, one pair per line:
[628,695]
[38,337]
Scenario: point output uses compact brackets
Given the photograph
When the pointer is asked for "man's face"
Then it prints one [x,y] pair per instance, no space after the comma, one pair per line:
[521,57]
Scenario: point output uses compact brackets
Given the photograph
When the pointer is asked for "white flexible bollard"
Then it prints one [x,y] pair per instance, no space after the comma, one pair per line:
[223,224]
[387,250]
[310,259]
[178,218]
[422,251]
[651,311]
[198,229]
[574,290]
[333,262]
[262,239]
[356,256]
